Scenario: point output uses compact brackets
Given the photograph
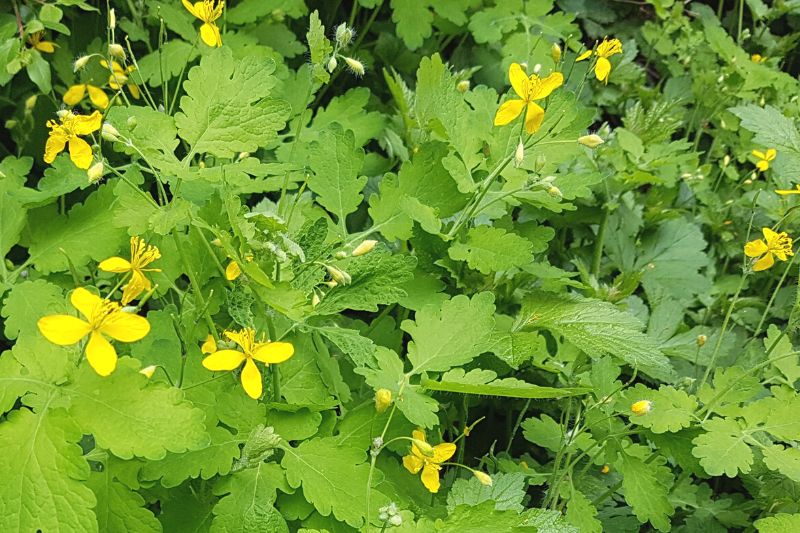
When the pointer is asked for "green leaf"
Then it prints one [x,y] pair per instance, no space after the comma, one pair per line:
[452,334]
[507,492]
[596,327]
[483,382]
[150,131]
[646,491]
[772,128]
[333,477]
[319,48]
[489,249]
[784,460]
[226,110]
[722,449]
[780,523]
[27,303]
[247,502]
[582,514]
[483,517]
[43,470]
[672,409]
[336,161]
[132,416]
[360,349]
[167,62]
[119,509]
[414,21]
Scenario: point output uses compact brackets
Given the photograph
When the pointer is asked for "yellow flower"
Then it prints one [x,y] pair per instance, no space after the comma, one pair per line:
[121,76]
[604,50]
[605,470]
[69,131]
[430,466]
[784,192]
[758,58]
[764,158]
[208,11]
[35,41]
[777,245]
[76,93]
[642,407]
[266,352]
[141,256]
[103,317]
[233,270]
[528,89]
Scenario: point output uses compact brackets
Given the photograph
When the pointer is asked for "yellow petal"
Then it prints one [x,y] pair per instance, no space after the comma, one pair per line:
[759,154]
[80,152]
[45,46]
[98,97]
[85,302]
[209,33]
[209,345]
[419,435]
[762,165]
[518,79]
[74,94]
[134,89]
[224,360]
[189,7]
[548,85]
[764,263]
[784,192]
[125,327]
[586,55]
[444,451]
[771,154]
[101,355]
[232,271]
[251,379]
[86,124]
[533,118]
[413,463]
[273,352]
[602,69]
[115,264]
[508,111]
[755,248]
[769,235]
[243,338]
[55,145]
[63,329]
[135,286]
[430,478]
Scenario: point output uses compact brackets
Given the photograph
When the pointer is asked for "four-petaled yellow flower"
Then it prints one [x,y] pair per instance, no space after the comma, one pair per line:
[604,50]
[141,256]
[35,41]
[208,11]
[528,88]
[76,93]
[69,131]
[121,76]
[764,158]
[773,245]
[103,317]
[265,352]
[430,466]
[785,192]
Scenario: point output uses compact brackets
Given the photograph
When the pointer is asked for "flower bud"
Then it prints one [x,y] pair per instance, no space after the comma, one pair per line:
[519,154]
[355,66]
[364,248]
[109,132]
[341,254]
[396,520]
[112,18]
[383,399]
[642,407]
[30,102]
[483,477]
[243,155]
[63,114]
[701,340]
[592,141]
[344,34]
[216,242]
[95,172]
[541,159]
[339,276]
[423,447]
[726,160]
[116,50]
[80,63]
[605,470]
[332,284]
[555,52]
[315,300]
[148,371]
[555,192]
[332,64]
[537,68]
[463,86]
[748,181]
[132,122]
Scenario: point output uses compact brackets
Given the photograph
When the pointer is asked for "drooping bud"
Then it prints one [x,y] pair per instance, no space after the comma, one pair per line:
[423,447]
[148,371]
[80,63]
[64,114]
[555,192]
[519,154]
[109,132]
[355,66]
[331,284]
[30,102]
[592,141]
[365,247]
[642,407]
[344,34]
[463,86]
[339,276]
[132,122]
[383,399]
[701,340]
[315,300]
[332,64]
[726,160]
[555,52]
[116,50]
[483,477]
[396,520]
[112,18]
[95,172]
[216,242]
[243,155]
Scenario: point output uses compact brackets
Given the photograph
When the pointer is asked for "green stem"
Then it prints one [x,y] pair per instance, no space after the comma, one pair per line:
[600,242]
[201,303]
[517,424]
[774,295]
[727,319]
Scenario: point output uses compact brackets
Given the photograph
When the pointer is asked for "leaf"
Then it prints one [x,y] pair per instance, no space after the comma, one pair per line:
[784,460]
[645,490]
[247,502]
[489,249]
[43,470]
[301,380]
[596,327]
[319,48]
[484,517]
[772,128]
[226,110]
[167,62]
[452,334]
[334,478]
[360,349]
[153,133]
[336,161]
[133,416]
[27,303]
[582,514]
[721,449]
[672,409]
[119,509]
[780,523]
[507,492]
[456,381]
[414,21]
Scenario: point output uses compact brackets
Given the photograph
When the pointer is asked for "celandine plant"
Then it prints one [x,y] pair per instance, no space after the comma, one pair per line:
[391,265]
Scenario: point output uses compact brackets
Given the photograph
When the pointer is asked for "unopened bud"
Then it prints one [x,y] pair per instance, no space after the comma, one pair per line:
[30,102]
[243,155]
[343,34]
[396,520]
[80,63]
[95,172]
[383,399]
[116,50]
[109,132]
[519,154]
[592,141]
[364,248]
[339,276]
[762,101]
[748,181]
[555,53]
[540,162]
[315,300]
[555,192]
[332,284]
[112,18]
[148,371]
[642,407]
[537,68]
[216,242]
[332,64]
[341,254]
[132,123]
[605,470]
[63,114]
[483,477]
[701,340]
[209,345]
[355,66]
[423,447]
[463,86]
[726,160]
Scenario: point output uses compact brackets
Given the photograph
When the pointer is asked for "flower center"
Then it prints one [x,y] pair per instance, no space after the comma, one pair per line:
[102,313]
[782,243]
